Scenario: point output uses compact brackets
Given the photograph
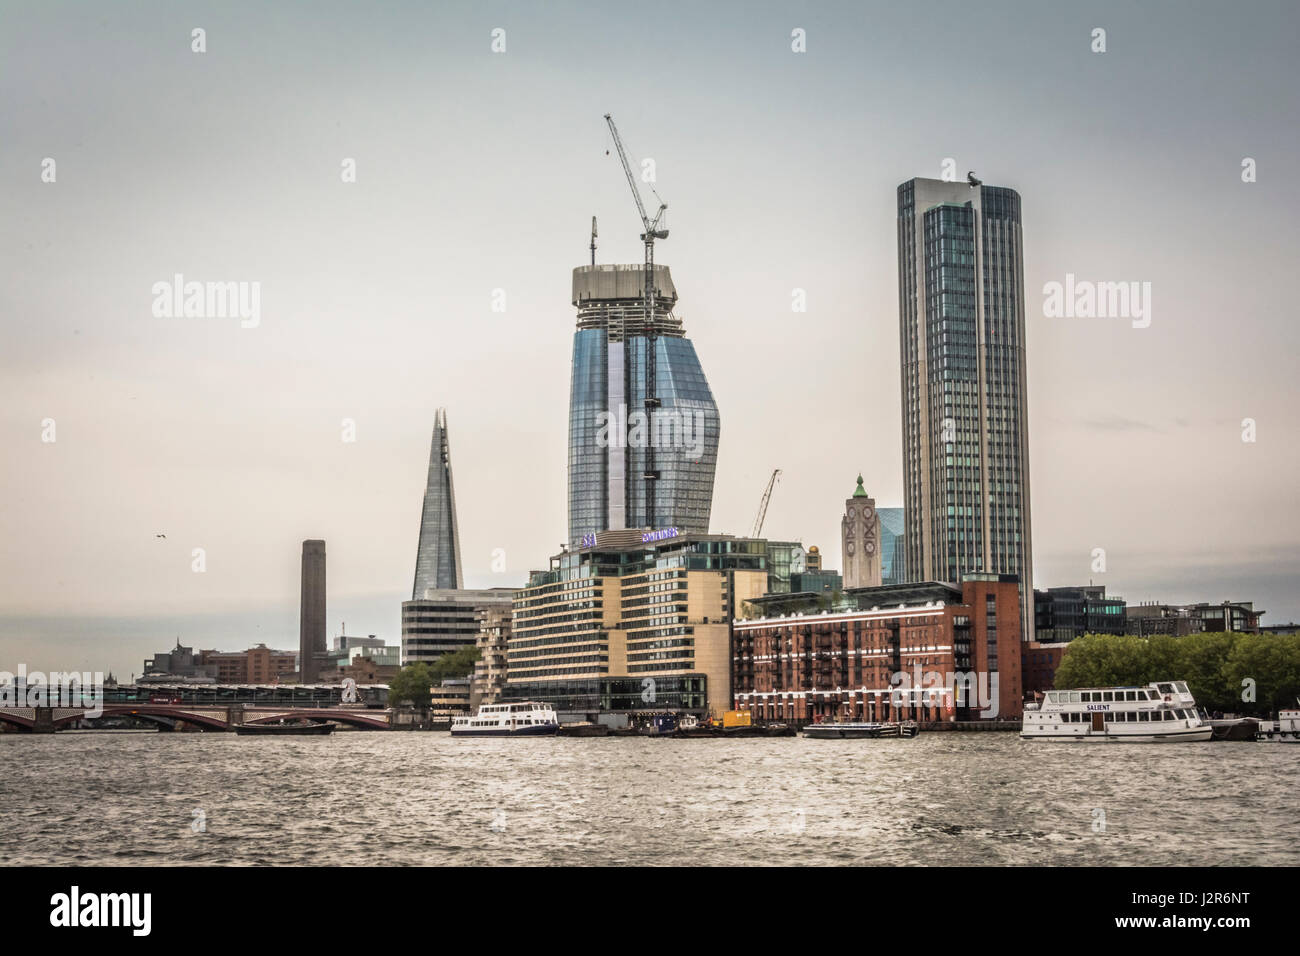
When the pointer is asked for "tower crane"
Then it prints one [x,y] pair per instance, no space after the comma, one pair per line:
[593,240]
[650,232]
[762,507]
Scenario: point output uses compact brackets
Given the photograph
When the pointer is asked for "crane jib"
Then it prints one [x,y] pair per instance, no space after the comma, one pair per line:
[648,236]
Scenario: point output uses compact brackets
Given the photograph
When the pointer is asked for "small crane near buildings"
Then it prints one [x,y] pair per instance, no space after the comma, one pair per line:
[762,506]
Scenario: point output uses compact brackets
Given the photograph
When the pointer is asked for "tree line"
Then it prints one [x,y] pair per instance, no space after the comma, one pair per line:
[1252,674]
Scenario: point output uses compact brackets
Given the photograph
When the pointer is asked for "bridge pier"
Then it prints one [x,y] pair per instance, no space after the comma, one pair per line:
[234,716]
[43,722]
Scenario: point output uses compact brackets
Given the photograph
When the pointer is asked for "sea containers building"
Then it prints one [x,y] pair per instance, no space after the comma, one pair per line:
[634,621]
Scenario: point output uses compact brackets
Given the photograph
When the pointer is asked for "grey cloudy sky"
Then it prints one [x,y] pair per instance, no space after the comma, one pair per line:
[478,171]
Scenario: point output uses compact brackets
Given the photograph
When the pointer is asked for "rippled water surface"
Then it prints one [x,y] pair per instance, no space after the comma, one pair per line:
[424,798]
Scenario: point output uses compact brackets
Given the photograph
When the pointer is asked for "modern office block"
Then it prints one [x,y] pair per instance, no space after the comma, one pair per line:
[962,339]
[655,612]
[444,620]
[893,546]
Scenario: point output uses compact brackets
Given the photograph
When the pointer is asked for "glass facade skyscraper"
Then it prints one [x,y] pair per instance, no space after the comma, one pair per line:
[610,428]
[962,339]
[443,615]
[893,546]
[437,558]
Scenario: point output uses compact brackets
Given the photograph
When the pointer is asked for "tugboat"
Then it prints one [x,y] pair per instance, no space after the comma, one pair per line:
[1162,712]
[524,719]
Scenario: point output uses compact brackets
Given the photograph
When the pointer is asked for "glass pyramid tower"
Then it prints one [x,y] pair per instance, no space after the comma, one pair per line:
[437,560]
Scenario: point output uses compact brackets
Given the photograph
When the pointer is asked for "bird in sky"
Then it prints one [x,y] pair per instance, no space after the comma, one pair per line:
[160,536]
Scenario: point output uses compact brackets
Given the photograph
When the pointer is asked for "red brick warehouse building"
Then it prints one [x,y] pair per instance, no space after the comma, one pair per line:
[841,663]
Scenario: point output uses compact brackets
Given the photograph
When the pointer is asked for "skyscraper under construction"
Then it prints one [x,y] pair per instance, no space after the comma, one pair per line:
[613,430]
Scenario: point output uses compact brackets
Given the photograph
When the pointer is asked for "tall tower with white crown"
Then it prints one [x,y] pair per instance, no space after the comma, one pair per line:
[860,537]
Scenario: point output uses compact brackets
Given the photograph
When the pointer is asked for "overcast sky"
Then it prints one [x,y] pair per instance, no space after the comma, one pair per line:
[478,171]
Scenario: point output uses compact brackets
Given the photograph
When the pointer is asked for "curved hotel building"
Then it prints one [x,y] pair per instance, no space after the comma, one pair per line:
[610,428]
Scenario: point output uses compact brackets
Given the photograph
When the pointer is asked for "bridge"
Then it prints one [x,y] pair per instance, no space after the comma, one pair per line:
[205,716]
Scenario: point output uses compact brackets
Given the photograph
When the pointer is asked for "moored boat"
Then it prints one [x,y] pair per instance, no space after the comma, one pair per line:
[1285,729]
[583,728]
[523,719]
[304,729]
[831,730]
[1234,728]
[1161,712]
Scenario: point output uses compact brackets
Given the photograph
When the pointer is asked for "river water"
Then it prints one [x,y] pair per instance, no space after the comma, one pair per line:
[424,798]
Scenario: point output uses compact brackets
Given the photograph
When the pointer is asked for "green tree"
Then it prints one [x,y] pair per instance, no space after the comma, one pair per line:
[1103,660]
[1202,659]
[1272,662]
[1217,666]
[1164,658]
[412,685]
[459,663]
[1079,664]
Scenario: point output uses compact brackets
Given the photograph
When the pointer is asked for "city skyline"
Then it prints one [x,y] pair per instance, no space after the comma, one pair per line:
[227,438]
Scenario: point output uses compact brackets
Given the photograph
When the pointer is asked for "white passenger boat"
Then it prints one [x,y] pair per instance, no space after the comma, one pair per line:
[1161,712]
[1285,729]
[523,719]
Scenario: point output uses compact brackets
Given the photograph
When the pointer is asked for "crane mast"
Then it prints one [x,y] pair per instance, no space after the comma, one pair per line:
[650,232]
[762,506]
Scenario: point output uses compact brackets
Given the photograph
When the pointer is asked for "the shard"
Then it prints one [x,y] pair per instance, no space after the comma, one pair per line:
[437,560]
